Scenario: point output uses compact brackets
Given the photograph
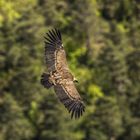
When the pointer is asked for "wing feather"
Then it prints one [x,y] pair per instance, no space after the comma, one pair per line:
[53,45]
[71,99]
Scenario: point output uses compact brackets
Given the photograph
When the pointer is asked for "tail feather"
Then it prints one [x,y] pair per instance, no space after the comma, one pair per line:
[45,80]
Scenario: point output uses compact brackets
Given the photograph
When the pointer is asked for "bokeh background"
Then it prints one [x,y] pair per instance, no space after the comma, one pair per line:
[102,41]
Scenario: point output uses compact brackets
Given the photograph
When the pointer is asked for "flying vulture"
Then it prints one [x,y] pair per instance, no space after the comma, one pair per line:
[59,76]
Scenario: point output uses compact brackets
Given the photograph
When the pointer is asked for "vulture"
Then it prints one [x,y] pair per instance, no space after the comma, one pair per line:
[59,76]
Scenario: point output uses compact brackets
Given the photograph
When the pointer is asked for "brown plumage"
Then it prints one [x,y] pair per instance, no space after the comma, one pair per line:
[59,75]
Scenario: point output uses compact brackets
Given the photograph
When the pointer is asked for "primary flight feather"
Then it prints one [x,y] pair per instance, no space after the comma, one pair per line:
[59,76]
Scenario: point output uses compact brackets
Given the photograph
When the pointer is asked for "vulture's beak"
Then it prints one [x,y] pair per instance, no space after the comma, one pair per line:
[75,80]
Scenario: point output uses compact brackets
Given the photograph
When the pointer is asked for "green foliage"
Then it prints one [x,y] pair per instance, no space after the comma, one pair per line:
[102,42]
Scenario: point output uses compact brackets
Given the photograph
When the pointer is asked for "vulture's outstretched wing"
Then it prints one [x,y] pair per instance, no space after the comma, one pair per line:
[53,50]
[71,99]
[56,61]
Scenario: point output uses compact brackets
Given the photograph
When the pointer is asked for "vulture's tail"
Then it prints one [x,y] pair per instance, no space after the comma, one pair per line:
[45,80]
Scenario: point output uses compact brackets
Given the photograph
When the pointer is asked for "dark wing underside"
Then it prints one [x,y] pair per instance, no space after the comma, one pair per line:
[54,50]
[71,99]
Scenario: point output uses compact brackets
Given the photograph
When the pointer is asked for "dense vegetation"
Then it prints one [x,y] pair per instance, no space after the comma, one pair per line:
[102,41]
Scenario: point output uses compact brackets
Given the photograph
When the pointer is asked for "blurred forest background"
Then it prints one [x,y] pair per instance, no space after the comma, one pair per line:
[102,41]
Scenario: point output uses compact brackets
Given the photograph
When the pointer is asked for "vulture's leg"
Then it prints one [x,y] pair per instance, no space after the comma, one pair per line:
[52,78]
[57,77]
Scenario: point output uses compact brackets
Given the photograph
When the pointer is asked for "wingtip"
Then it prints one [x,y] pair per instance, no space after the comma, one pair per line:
[53,36]
[77,109]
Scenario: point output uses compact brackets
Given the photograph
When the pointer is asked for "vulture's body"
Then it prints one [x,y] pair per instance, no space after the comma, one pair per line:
[59,76]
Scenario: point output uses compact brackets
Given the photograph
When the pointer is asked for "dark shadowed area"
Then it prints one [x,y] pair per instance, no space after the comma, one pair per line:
[102,42]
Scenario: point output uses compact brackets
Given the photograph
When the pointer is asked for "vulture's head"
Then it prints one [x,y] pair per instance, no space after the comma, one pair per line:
[75,80]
